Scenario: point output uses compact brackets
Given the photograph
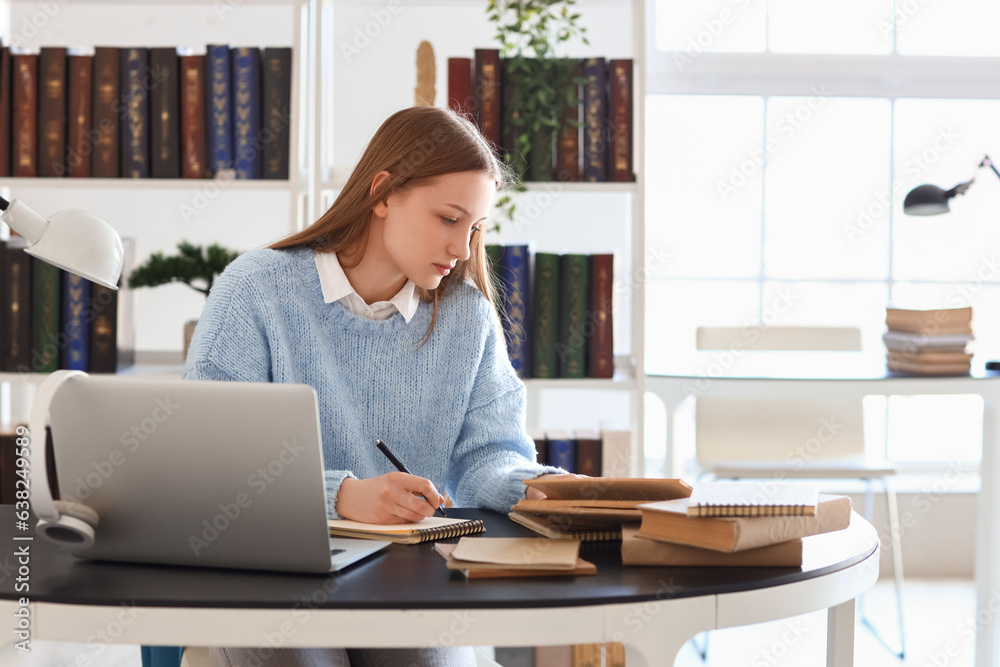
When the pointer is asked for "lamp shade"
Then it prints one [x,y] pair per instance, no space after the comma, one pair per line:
[74,240]
[927,200]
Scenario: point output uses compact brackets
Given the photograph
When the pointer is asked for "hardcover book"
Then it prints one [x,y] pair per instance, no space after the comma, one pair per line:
[164,103]
[486,92]
[106,128]
[638,550]
[561,450]
[102,314]
[194,144]
[515,266]
[545,316]
[80,69]
[24,114]
[220,115]
[588,452]
[571,348]
[595,120]
[460,98]
[246,111]
[52,111]
[931,322]
[600,317]
[75,327]
[15,343]
[616,453]
[5,90]
[46,298]
[620,121]
[515,150]
[135,119]
[277,65]
[568,143]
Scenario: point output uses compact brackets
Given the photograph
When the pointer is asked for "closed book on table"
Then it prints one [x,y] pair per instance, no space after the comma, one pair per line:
[568,141]
[515,274]
[80,148]
[5,91]
[563,527]
[545,316]
[46,297]
[135,120]
[588,452]
[106,130]
[912,342]
[642,551]
[595,120]
[571,348]
[103,336]
[753,498]
[562,450]
[486,92]
[246,111]
[600,317]
[15,313]
[460,98]
[620,128]
[165,111]
[220,111]
[194,145]
[52,111]
[668,521]
[961,368]
[929,321]
[75,327]
[24,114]
[277,120]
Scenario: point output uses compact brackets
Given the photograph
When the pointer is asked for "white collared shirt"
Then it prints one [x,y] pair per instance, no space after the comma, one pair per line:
[336,287]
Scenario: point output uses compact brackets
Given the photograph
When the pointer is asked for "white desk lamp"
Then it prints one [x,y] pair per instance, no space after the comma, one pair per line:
[86,245]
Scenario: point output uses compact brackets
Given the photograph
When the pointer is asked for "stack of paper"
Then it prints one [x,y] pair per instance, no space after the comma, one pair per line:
[480,557]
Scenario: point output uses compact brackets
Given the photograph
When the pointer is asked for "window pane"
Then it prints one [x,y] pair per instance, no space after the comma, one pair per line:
[935,428]
[710,26]
[942,142]
[828,304]
[675,308]
[703,193]
[827,158]
[820,26]
[953,28]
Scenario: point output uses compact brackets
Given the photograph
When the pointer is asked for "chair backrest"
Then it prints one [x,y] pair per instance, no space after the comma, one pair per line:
[792,433]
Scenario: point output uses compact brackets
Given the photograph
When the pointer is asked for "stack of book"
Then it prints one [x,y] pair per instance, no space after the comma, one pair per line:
[928,342]
[734,524]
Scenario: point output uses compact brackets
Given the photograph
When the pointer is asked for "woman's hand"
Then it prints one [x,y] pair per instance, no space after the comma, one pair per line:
[389,498]
[535,494]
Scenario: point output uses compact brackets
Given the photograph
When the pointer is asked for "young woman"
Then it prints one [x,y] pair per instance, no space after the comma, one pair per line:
[384,306]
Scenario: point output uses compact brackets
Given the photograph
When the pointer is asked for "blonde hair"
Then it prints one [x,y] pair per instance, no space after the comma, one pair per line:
[413,145]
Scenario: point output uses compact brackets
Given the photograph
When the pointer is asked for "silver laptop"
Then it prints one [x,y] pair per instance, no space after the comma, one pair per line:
[220,474]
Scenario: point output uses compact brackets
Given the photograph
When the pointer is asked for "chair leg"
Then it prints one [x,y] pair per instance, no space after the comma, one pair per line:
[892,511]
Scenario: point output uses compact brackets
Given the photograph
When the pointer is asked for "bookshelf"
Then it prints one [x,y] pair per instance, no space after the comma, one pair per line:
[369,83]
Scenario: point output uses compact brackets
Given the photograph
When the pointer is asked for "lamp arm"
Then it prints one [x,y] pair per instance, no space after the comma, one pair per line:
[987,162]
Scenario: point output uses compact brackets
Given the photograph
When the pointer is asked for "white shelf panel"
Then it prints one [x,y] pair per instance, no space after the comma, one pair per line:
[192,184]
[614,384]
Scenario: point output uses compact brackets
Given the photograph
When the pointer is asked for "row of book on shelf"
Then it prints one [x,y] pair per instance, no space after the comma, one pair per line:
[928,341]
[669,522]
[160,112]
[591,452]
[557,311]
[53,319]
[595,142]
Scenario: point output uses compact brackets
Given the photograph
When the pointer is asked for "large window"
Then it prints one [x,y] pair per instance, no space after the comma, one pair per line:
[781,138]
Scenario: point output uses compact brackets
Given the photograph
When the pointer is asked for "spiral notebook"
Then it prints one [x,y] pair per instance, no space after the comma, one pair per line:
[753,498]
[431,528]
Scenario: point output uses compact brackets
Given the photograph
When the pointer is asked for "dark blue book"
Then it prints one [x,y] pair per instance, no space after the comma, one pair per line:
[595,120]
[76,328]
[515,276]
[134,112]
[246,112]
[561,450]
[220,105]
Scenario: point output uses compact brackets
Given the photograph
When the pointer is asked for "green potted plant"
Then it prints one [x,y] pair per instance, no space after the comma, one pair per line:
[195,266]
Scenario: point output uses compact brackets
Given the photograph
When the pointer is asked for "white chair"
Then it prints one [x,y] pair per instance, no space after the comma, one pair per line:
[736,438]
[197,656]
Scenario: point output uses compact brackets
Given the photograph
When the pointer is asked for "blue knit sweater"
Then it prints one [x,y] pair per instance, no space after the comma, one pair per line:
[452,409]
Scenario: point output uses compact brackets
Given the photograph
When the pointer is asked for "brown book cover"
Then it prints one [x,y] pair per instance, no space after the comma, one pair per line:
[588,452]
[614,654]
[565,527]
[79,85]
[104,117]
[15,305]
[668,521]
[164,116]
[931,356]
[918,368]
[600,314]
[568,142]
[276,63]
[643,551]
[194,145]
[587,655]
[8,467]
[52,111]
[620,100]
[631,490]
[5,90]
[460,99]
[931,321]
[486,94]
[24,114]
[103,311]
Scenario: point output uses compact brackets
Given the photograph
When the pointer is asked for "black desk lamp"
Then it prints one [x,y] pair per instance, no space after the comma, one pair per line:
[929,199]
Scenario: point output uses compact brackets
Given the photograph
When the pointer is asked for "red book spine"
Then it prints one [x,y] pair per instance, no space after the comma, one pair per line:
[5,91]
[620,146]
[78,133]
[601,348]
[460,99]
[24,113]
[194,147]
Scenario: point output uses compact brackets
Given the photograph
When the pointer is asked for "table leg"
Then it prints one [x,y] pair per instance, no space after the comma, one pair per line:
[654,632]
[988,538]
[840,635]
